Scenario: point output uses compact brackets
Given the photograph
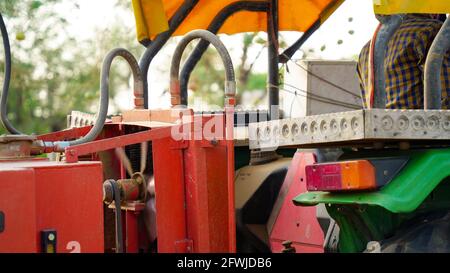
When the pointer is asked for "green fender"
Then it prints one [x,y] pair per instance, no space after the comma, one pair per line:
[404,194]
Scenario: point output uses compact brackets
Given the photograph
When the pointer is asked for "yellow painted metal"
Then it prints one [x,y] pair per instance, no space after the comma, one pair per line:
[411,6]
[294,15]
[150,18]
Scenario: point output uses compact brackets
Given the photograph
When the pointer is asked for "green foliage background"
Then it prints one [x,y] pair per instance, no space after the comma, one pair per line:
[53,72]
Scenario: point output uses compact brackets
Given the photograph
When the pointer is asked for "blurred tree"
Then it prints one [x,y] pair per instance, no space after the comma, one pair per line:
[53,72]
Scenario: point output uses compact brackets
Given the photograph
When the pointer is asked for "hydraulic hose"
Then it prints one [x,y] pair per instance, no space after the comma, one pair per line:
[214,27]
[389,25]
[230,84]
[230,93]
[433,67]
[4,96]
[155,46]
[104,90]
[104,95]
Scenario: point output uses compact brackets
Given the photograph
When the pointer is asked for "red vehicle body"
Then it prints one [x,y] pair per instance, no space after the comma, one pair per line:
[39,196]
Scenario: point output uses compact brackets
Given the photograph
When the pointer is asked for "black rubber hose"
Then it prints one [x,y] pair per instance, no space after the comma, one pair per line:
[4,96]
[433,67]
[118,216]
[156,45]
[289,52]
[390,24]
[104,95]
[230,84]
[214,27]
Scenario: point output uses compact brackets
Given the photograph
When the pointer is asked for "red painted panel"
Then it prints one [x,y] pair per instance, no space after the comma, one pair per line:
[131,232]
[52,195]
[206,197]
[69,199]
[297,224]
[206,178]
[169,189]
[192,193]
[17,201]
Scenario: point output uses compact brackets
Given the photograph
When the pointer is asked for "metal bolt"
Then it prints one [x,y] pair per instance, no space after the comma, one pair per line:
[288,247]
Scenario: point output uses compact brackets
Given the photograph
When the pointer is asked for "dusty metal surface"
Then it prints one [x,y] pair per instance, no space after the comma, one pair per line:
[315,87]
[362,127]
[15,146]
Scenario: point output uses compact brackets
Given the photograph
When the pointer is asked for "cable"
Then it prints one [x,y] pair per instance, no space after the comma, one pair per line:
[321,100]
[118,215]
[292,104]
[319,96]
[325,99]
[326,81]
[4,96]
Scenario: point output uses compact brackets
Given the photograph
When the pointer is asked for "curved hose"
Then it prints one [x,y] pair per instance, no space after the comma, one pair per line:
[230,84]
[4,96]
[230,92]
[155,46]
[104,95]
[389,25]
[433,67]
[214,27]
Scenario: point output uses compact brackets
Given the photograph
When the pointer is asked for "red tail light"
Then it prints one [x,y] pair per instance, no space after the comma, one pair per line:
[341,176]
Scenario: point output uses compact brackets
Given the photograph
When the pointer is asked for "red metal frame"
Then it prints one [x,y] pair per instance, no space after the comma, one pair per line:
[71,133]
[73,152]
[296,224]
[192,188]
[131,228]
[194,182]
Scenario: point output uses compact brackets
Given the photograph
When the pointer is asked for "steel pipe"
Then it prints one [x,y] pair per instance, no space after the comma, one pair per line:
[273,60]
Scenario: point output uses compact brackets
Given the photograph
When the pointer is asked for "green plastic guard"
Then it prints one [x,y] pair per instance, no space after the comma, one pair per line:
[404,194]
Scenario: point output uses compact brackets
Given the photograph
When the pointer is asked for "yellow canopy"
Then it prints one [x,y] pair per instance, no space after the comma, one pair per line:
[411,6]
[296,15]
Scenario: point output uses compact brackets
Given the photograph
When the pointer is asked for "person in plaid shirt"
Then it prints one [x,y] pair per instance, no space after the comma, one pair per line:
[405,61]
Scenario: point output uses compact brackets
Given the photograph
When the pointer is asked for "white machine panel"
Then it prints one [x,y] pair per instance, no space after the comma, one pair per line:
[347,127]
